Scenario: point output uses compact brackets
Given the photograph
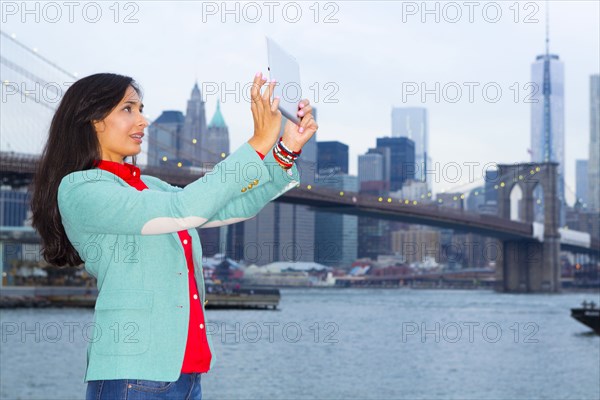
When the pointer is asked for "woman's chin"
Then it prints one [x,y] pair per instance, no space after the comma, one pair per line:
[135,152]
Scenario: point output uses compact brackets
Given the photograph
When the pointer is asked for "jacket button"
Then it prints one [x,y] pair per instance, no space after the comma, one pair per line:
[185,241]
[250,186]
[195,296]
[201,326]
[244,189]
[255,182]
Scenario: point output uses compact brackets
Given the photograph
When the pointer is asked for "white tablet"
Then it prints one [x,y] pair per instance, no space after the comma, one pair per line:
[284,68]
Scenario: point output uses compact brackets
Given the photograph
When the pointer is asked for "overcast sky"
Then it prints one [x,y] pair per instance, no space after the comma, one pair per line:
[359,63]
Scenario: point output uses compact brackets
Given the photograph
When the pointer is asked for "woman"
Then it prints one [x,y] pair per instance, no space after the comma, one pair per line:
[136,234]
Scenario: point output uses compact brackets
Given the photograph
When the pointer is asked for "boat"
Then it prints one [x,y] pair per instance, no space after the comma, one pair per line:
[588,315]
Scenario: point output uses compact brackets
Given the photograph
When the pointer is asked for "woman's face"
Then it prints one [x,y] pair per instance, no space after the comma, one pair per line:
[120,133]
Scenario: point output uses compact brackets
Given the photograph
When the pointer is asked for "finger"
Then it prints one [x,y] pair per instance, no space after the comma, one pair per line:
[305,111]
[310,129]
[305,122]
[303,103]
[268,94]
[275,104]
[257,83]
[253,90]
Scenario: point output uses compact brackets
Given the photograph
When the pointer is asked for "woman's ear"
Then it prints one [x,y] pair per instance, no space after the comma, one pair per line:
[98,126]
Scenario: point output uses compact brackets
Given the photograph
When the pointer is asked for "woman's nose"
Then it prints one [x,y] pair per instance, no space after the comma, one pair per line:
[144,121]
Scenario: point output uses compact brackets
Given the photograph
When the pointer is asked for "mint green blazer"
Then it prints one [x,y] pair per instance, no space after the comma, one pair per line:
[128,241]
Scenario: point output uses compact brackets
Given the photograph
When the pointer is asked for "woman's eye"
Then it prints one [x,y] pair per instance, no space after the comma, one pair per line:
[127,108]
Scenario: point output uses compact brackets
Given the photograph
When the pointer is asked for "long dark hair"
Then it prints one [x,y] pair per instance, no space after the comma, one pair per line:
[72,146]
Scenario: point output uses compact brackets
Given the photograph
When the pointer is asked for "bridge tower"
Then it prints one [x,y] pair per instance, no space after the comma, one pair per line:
[530,265]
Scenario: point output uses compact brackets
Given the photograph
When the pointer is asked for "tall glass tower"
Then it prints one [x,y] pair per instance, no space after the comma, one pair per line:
[594,157]
[411,122]
[548,115]
[194,128]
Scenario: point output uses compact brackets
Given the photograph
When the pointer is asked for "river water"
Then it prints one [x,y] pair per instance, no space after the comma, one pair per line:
[347,344]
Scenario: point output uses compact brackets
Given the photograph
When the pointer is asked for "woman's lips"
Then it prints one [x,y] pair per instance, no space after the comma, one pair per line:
[137,137]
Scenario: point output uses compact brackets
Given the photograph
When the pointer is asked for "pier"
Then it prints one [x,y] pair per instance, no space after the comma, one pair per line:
[66,296]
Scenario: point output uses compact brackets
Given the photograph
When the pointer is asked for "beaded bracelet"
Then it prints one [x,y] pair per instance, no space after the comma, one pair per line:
[288,151]
[284,156]
[283,161]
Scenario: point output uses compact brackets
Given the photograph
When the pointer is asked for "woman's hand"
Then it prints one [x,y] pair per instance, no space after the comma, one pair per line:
[294,136]
[267,118]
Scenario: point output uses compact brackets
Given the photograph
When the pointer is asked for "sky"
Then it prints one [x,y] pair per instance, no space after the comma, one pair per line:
[357,60]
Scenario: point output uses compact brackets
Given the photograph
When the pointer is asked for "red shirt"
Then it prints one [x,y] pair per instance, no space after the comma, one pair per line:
[197,352]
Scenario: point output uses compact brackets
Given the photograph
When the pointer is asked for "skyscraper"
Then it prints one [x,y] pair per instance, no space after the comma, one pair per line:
[217,141]
[412,123]
[373,176]
[547,110]
[332,156]
[336,235]
[371,167]
[194,131]
[164,140]
[548,115]
[594,158]
[581,182]
[374,171]
[402,160]
[280,232]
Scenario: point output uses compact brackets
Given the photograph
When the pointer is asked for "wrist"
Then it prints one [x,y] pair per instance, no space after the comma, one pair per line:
[295,148]
[292,145]
[260,145]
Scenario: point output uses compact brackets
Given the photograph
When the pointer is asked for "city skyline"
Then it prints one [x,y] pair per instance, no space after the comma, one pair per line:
[369,75]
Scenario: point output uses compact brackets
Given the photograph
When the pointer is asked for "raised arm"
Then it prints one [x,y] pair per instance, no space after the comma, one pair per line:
[93,201]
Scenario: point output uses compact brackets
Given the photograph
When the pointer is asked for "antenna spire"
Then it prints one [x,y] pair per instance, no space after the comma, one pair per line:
[547,28]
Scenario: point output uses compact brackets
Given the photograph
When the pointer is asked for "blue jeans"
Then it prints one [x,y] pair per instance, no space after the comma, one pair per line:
[187,387]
